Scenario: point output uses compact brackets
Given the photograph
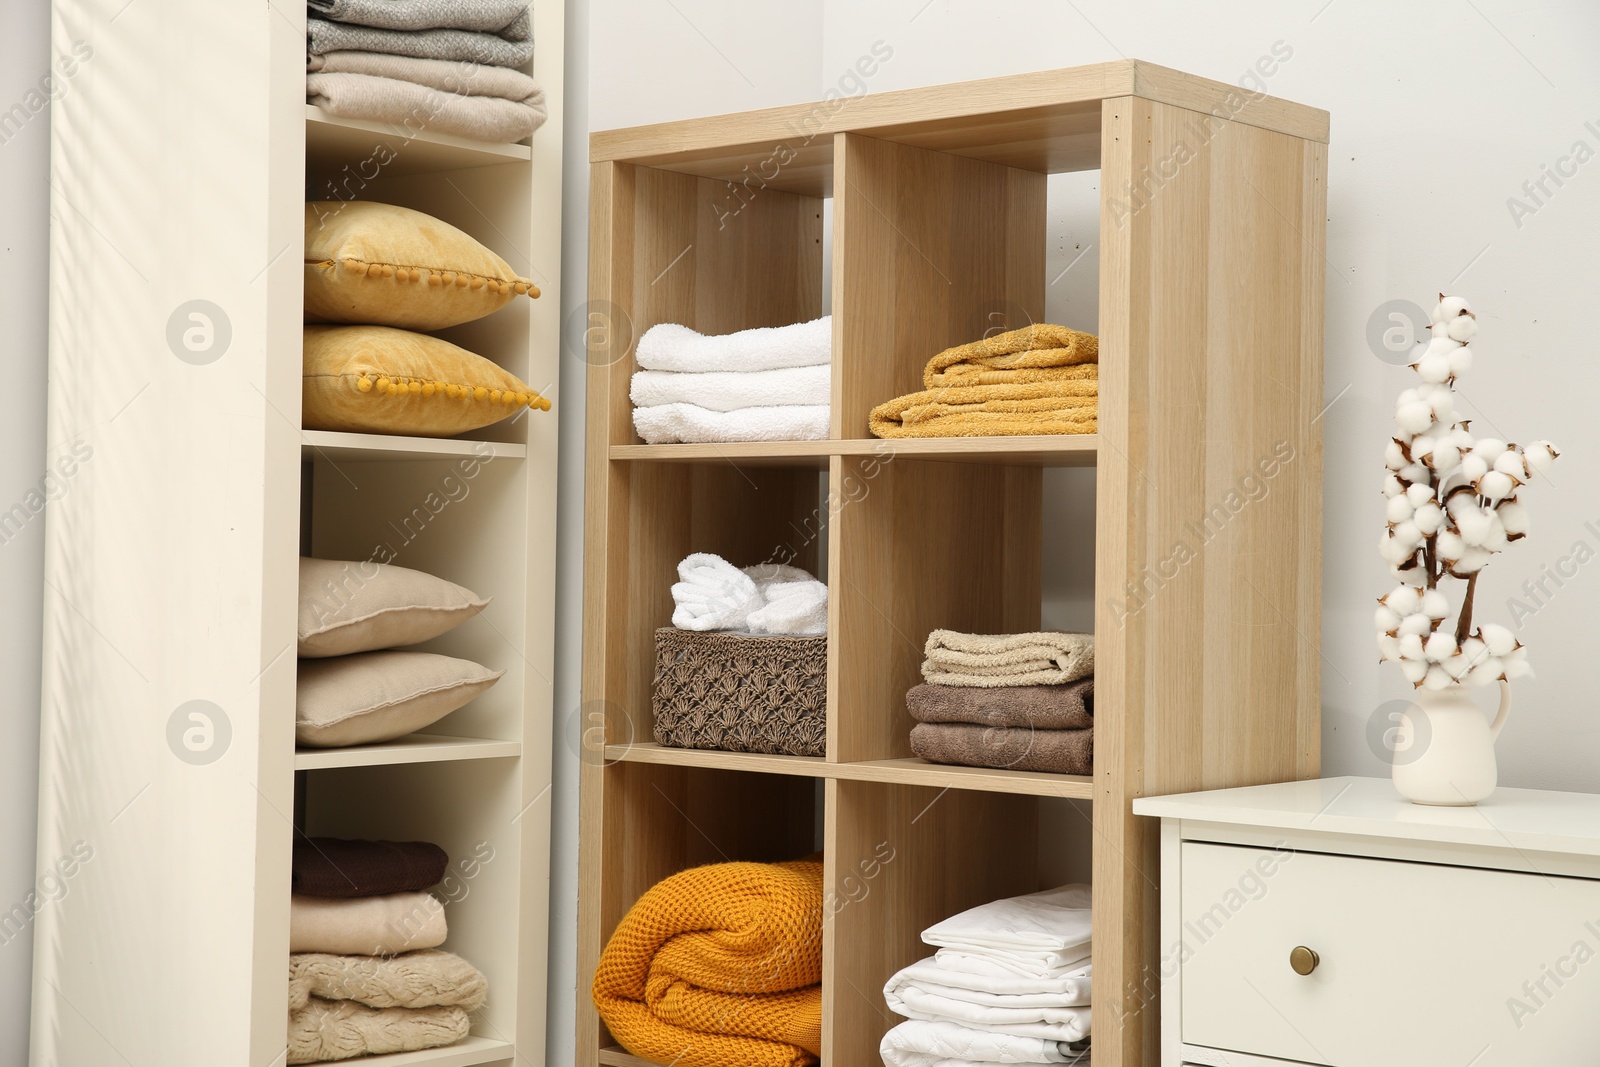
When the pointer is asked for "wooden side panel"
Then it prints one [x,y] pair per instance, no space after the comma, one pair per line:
[1209,499]
[930,250]
[897,860]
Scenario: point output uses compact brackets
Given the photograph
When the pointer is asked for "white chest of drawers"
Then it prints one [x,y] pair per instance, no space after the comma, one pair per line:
[1458,937]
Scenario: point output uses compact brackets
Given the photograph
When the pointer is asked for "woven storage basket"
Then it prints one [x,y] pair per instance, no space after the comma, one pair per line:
[741,692]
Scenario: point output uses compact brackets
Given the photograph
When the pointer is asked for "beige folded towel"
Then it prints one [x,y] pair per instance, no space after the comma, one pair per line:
[421,108]
[1044,658]
[1016,748]
[426,979]
[448,75]
[366,926]
[341,1029]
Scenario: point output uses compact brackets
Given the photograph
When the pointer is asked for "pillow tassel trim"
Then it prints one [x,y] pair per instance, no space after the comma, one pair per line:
[395,385]
[405,273]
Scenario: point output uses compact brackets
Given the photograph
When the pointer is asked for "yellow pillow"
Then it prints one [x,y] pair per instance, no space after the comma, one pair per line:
[372,379]
[388,265]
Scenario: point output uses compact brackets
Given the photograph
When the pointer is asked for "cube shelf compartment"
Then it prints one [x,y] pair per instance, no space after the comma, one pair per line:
[1212,224]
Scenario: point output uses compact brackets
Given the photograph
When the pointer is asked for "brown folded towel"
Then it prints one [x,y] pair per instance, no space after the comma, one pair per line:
[331,867]
[1012,748]
[1043,707]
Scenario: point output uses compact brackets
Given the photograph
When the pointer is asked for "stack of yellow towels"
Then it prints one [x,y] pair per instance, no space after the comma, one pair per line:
[719,966]
[1041,379]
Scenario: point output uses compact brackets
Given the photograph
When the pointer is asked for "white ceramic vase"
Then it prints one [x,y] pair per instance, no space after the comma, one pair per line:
[1444,748]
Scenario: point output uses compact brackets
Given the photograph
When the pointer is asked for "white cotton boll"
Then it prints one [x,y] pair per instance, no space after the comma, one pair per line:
[1540,455]
[1449,307]
[1471,561]
[1414,670]
[1393,552]
[1419,495]
[1427,519]
[1440,345]
[1388,647]
[1461,358]
[1445,458]
[1449,546]
[1457,666]
[1414,472]
[1413,417]
[1403,600]
[1512,463]
[1473,649]
[1489,448]
[1435,605]
[1393,486]
[1439,646]
[1513,519]
[1394,456]
[1407,534]
[1399,509]
[1433,368]
[1473,467]
[1495,486]
[1408,396]
[1497,638]
[1385,619]
[1495,539]
[1437,678]
[1516,663]
[1411,647]
[1462,328]
[1487,672]
[1417,623]
[1421,448]
[1473,524]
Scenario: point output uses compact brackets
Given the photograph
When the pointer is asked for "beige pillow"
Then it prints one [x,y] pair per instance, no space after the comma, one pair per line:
[391,266]
[359,606]
[379,696]
[371,379]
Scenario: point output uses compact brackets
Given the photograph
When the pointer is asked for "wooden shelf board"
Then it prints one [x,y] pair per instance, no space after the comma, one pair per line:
[617,1056]
[1050,450]
[333,143]
[1044,121]
[414,748]
[374,446]
[467,1053]
[893,771]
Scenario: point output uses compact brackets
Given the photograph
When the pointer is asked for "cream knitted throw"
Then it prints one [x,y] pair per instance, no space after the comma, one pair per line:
[341,1029]
[1045,658]
[425,979]
[420,108]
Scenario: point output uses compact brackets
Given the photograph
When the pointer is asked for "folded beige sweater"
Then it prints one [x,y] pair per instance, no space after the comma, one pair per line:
[421,108]
[426,979]
[1044,658]
[341,1029]
[366,926]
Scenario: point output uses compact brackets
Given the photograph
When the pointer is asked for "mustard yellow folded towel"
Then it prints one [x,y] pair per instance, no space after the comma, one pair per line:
[1038,353]
[719,966]
[990,411]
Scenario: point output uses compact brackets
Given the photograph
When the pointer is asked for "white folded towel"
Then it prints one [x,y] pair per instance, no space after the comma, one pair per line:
[1041,930]
[671,423]
[951,959]
[922,1043]
[669,346]
[1057,1023]
[712,594]
[731,390]
[999,991]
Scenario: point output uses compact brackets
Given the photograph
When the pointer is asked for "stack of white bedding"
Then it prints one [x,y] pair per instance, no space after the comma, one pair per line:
[767,384]
[1010,983]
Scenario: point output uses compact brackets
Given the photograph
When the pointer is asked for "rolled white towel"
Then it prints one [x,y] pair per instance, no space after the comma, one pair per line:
[712,594]
[926,1043]
[671,423]
[670,346]
[792,608]
[731,390]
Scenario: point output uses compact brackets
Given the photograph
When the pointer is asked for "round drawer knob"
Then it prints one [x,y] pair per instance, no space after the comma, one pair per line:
[1303,960]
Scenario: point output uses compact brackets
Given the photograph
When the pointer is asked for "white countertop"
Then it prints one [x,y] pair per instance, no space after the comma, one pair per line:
[1532,819]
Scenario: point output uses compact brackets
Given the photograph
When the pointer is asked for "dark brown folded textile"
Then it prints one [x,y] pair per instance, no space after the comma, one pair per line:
[1043,707]
[1017,748]
[331,867]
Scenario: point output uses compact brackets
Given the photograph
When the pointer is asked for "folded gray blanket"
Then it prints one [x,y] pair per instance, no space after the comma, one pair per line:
[500,50]
[421,108]
[491,16]
[1043,707]
[1018,748]
[463,79]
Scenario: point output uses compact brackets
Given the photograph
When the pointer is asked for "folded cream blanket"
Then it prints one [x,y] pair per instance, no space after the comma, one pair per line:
[420,108]
[1045,658]
[1042,707]
[366,926]
[670,423]
[511,47]
[731,390]
[1016,748]
[924,1043]
[426,979]
[669,346]
[341,1029]
[1044,930]
[461,78]
[492,16]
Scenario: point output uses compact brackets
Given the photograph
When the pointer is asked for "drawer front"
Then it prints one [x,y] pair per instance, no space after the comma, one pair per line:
[1416,963]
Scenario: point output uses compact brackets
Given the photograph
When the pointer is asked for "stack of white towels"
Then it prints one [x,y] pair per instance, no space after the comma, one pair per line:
[767,384]
[769,598]
[1008,984]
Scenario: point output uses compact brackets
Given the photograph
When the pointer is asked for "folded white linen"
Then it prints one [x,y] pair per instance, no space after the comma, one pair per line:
[921,1043]
[1044,930]
[1008,991]
[731,390]
[712,594]
[670,346]
[1060,1024]
[671,423]
[952,959]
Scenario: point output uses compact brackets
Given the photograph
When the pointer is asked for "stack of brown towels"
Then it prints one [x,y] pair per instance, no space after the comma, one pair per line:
[365,974]
[1041,379]
[1018,701]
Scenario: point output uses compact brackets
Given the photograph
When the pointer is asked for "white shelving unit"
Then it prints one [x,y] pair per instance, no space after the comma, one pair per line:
[172,556]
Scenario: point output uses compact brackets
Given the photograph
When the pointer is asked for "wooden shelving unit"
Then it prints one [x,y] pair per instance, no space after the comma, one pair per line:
[1210,322]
